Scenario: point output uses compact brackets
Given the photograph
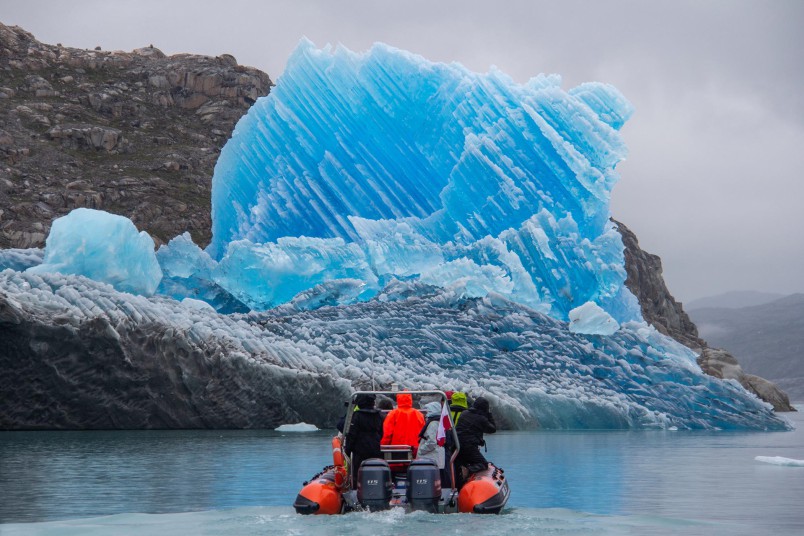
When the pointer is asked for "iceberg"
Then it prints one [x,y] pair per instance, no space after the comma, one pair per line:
[377,219]
[105,247]
[298,427]
[20,259]
[384,165]
[187,273]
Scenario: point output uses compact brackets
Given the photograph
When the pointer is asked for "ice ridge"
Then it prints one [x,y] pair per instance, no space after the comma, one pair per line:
[291,365]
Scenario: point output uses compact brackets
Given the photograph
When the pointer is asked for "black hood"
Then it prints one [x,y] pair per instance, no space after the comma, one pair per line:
[481,405]
[365,401]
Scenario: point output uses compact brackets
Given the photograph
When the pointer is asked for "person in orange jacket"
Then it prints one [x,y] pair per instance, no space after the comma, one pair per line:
[402,425]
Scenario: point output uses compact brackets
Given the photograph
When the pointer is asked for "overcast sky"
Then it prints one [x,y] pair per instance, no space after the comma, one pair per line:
[713,183]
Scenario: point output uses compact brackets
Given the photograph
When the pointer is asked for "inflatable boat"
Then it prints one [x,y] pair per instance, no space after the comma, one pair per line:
[398,480]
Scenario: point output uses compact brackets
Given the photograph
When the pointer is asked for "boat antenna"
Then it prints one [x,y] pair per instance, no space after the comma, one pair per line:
[371,351]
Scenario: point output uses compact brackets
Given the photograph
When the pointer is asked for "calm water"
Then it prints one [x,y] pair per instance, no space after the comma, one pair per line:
[243,482]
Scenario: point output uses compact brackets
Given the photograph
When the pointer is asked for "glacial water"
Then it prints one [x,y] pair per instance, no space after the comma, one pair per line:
[243,482]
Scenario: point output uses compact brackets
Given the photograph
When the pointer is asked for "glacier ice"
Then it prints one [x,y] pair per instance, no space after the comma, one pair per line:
[20,259]
[591,319]
[177,366]
[188,273]
[297,427]
[387,165]
[105,247]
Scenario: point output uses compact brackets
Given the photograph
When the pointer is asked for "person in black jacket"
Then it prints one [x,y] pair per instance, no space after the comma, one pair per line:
[473,423]
[365,433]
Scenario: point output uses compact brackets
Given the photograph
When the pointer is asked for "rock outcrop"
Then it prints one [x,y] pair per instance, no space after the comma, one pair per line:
[667,315]
[134,133]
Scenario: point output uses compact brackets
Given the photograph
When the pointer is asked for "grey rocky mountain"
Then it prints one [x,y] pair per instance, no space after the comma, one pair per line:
[138,133]
[734,300]
[134,133]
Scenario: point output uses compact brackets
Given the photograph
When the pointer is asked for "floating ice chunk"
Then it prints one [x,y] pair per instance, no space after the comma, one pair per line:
[104,247]
[590,319]
[778,460]
[298,427]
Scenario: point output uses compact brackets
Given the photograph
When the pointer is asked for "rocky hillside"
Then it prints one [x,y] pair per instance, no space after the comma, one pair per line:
[768,338]
[134,133]
[667,315]
[138,133]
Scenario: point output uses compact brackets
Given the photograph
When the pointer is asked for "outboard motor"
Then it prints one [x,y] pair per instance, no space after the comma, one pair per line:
[374,484]
[424,485]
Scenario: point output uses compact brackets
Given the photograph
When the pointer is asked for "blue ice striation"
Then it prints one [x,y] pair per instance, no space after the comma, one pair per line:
[379,219]
[383,164]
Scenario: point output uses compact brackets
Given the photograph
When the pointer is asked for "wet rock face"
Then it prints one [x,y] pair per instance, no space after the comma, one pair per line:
[667,315]
[134,133]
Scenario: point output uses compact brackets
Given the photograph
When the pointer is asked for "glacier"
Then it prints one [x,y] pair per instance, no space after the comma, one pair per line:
[377,219]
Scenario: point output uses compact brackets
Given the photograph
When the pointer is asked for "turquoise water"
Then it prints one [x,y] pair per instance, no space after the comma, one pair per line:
[243,482]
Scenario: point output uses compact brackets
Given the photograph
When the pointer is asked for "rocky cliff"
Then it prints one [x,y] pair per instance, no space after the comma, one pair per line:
[134,133]
[138,133]
[667,315]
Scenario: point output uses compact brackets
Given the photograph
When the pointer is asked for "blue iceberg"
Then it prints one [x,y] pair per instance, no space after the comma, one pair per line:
[421,169]
[104,247]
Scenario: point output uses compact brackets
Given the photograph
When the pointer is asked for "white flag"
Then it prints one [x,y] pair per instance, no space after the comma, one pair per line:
[444,425]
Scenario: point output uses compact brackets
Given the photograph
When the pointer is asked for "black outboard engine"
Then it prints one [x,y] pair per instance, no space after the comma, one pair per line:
[424,485]
[374,484]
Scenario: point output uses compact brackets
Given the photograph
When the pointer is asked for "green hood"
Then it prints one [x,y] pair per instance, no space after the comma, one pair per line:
[459,399]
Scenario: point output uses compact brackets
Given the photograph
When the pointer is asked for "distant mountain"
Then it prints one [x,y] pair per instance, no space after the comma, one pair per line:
[768,339]
[734,300]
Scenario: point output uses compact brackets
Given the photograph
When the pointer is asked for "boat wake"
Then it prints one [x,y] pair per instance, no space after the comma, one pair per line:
[283,520]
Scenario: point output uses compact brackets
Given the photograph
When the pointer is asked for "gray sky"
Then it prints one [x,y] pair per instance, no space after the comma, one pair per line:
[713,183]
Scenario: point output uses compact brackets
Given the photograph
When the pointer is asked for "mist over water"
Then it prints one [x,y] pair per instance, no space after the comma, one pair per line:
[243,482]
